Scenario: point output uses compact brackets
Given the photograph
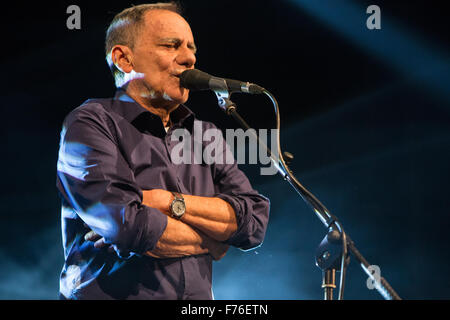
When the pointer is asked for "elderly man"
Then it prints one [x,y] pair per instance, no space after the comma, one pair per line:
[135,224]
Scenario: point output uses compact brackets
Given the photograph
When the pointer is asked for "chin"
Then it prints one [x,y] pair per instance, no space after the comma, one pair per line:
[179,97]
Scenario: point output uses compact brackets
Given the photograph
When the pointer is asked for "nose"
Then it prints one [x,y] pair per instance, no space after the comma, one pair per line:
[186,57]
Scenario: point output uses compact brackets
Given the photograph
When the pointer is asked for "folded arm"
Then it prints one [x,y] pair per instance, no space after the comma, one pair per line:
[235,214]
[179,239]
[96,181]
[212,216]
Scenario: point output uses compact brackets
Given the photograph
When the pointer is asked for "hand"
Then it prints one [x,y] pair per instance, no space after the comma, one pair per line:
[99,240]
[100,243]
[216,249]
[181,240]
[159,199]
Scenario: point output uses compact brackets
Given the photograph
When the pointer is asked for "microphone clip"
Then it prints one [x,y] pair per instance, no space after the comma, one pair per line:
[220,88]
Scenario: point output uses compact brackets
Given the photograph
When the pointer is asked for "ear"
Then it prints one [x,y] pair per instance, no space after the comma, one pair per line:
[122,57]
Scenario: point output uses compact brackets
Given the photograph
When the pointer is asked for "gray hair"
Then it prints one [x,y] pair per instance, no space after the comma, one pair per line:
[126,25]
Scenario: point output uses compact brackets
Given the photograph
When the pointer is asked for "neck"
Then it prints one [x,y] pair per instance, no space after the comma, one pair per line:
[158,106]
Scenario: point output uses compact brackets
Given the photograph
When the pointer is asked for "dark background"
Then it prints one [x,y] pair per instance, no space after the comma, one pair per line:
[365,112]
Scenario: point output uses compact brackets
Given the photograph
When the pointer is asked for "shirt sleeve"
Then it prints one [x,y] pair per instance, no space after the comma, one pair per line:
[250,207]
[97,182]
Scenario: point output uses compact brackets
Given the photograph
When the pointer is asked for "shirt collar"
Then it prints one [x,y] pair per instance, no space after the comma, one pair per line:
[143,119]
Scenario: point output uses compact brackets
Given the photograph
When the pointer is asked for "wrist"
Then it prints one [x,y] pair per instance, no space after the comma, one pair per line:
[159,199]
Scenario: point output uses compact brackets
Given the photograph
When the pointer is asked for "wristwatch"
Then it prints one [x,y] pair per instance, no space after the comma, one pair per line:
[178,206]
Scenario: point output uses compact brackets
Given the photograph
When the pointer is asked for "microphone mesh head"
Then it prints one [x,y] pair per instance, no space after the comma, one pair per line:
[194,79]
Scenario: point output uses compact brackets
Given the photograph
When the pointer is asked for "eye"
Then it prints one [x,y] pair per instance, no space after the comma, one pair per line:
[171,44]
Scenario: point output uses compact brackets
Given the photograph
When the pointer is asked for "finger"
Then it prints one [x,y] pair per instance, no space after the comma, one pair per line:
[100,243]
[220,252]
[91,236]
[151,254]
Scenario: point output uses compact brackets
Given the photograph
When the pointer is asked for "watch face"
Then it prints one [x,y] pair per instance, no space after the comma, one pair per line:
[178,207]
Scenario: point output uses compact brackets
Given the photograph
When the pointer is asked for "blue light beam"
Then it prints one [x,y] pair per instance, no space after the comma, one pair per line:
[392,44]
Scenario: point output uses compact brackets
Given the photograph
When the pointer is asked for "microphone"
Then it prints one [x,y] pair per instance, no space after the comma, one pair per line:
[194,79]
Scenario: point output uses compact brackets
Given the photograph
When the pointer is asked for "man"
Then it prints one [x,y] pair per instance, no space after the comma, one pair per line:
[136,225]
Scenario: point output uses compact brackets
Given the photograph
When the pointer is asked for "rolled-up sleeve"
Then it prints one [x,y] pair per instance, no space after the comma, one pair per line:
[96,181]
[251,208]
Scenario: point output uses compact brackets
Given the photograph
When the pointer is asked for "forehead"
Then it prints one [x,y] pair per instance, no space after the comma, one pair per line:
[165,23]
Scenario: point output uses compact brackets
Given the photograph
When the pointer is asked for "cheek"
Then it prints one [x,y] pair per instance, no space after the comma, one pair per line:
[158,80]
[154,67]
[159,75]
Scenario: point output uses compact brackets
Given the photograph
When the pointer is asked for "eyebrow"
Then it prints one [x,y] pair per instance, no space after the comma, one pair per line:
[190,45]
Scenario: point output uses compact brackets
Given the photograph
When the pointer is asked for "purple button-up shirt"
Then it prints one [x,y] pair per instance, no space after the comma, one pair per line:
[111,150]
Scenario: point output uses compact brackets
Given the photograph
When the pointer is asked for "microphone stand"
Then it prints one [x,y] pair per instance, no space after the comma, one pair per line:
[333,251]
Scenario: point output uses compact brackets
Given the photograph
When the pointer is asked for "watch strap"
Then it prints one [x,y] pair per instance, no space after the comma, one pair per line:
[177,196]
